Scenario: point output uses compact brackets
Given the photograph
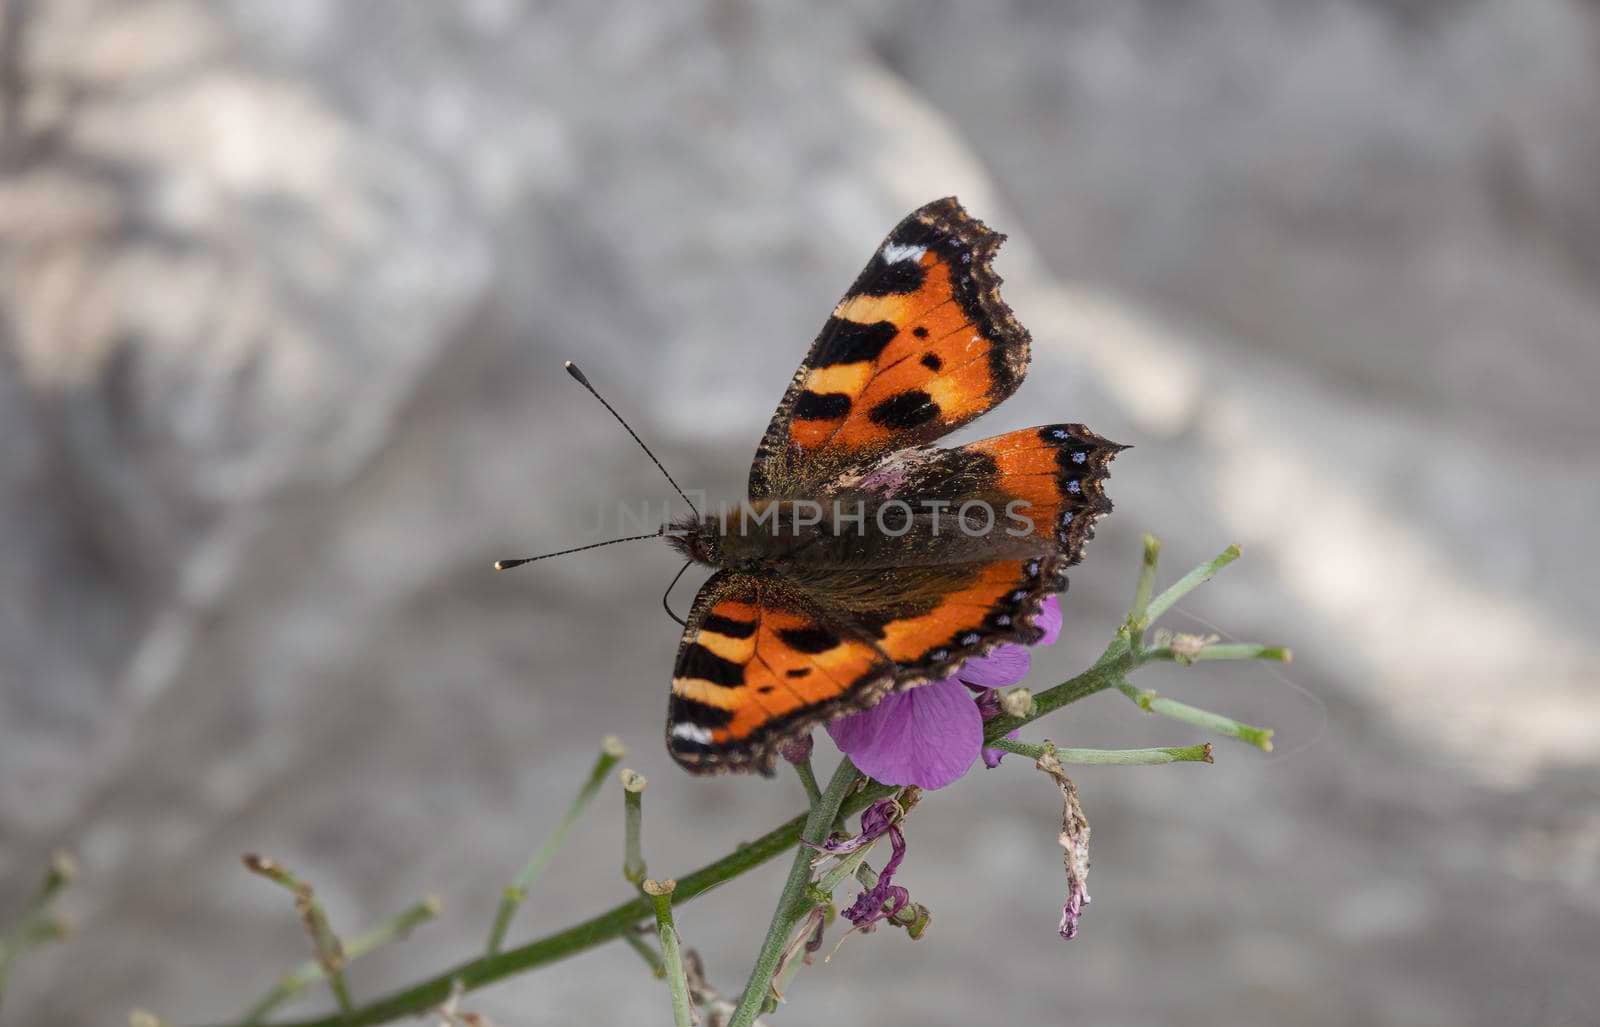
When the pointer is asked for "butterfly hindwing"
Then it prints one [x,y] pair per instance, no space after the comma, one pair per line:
[920,345]
[1047,483]
[759,664]
[946,615]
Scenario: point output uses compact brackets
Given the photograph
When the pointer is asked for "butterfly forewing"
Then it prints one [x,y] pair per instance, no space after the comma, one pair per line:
[920,345]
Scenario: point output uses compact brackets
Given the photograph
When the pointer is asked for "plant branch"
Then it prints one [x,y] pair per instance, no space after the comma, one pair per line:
[1138,614]
[818,822]
[1109,671]
[660,893]
[632,814]
[1110,757]
[1188,583]
[37,925]
[611,751]
[310,972]
[329,949]
[1227,651]
[808,780]
[1153,702]
[604,927]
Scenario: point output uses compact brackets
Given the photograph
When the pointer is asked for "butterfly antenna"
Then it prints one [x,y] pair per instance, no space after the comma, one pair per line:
[506,565]
[572,369]
[668,594]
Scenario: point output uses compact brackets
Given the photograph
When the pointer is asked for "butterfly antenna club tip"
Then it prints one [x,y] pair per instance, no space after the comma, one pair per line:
[506,565]
[573,370]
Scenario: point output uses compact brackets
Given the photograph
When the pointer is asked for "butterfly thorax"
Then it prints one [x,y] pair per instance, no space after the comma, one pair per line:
[755,537]
[798,537]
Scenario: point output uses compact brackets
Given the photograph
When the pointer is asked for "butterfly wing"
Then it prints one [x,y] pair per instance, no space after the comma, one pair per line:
[760,663]
[920,345]
[766,659]
[1046,484]
[1018,511]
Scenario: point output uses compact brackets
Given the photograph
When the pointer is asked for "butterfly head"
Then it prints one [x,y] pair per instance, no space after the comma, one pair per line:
[697,538]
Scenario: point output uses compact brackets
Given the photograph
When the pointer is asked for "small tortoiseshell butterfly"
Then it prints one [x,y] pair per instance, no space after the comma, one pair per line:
[835,583]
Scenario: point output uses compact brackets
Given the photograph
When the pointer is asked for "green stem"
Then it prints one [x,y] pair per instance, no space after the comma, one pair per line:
[1188,583]
[580,937]
[1116,661]
[1138,614]
[632,816]
[1229,651]
[330,950]
[1153,702]
[611,751]
[1110,757]
[818,823]
[311,971]
[36,926]
[660,893]
[808,780]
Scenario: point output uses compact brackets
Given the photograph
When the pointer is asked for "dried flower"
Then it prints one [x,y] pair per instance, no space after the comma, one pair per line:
[876,820]
[884,898]
[1074,840]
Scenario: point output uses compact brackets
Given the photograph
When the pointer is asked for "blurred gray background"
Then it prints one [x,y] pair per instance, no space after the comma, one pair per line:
[287,287]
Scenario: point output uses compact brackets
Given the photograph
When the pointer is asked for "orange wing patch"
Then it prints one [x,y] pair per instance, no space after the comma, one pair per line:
[957,617]
[1059,471]
[749,674]
[915,362]
[920,345]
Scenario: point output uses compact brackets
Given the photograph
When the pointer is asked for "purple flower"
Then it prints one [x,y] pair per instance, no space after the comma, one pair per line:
[930,735]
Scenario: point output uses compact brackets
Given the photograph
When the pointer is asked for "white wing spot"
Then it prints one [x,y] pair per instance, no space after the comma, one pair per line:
[894,253]
[692,732]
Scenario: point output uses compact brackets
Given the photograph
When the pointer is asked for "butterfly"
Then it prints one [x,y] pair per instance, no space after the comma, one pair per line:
[867,560]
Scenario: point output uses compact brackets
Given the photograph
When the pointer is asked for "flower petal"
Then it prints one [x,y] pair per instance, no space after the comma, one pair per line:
[928,736]
[992,757]
[1050,620]
[1005,665]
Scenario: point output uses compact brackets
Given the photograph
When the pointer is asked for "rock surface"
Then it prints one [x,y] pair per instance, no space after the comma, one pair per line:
[286,292]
